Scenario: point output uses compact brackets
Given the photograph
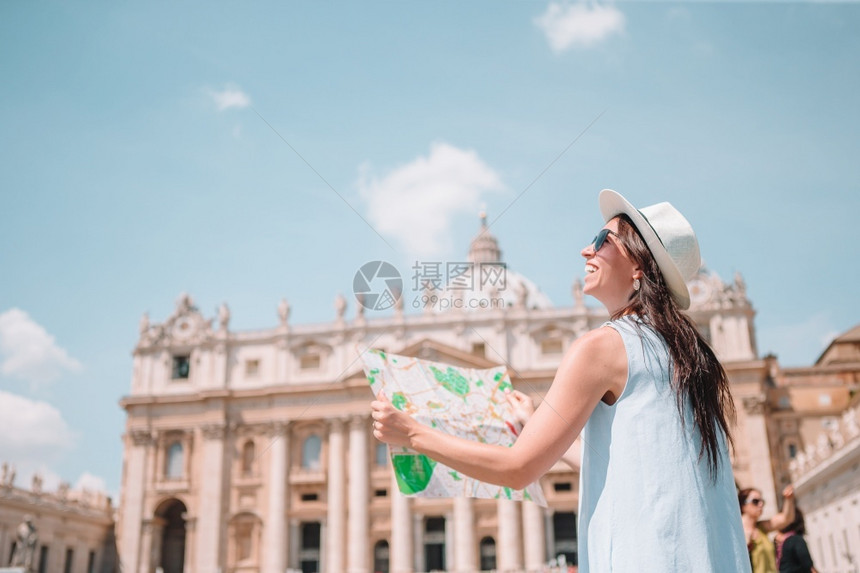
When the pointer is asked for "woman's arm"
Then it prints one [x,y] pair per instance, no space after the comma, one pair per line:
[785,516]
[524,407]
[594,365]
[573,456]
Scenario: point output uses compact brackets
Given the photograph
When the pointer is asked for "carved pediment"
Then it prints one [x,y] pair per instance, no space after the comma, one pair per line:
[308,347]
[428,349]
[552,331]
[185,327]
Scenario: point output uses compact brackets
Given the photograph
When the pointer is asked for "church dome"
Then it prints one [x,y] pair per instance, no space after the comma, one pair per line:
[487,282]
[485,246]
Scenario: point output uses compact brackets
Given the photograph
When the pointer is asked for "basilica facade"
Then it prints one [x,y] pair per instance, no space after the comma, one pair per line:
[252,451]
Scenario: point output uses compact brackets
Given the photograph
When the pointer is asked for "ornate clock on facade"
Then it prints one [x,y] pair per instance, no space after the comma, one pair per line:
[700,291]
[183,328]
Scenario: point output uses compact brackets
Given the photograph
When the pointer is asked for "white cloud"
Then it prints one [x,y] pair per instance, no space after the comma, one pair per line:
[415,202]
[31,431]
[581,24]
[229,97]
[28,352]
[90,482]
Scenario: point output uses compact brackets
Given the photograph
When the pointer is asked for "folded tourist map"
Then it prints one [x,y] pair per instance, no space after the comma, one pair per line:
[462,402]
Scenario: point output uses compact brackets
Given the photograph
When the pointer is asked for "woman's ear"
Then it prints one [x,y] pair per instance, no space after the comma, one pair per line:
[637,273]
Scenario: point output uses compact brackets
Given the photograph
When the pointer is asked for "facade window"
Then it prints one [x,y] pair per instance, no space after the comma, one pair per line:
[562,486]
[488,554]
[380,493]
[43,558]
[70,557]
[310,497]
[434,544]
[243,541]
[91,562]
[248,456]
[551,346]
[381,458]
[175,461]
[310,362]
[380,557]
[479,349]
[252,368]
[792,451]
[181,367]
[173,536]
[564,530]
[309,543]
[311,452]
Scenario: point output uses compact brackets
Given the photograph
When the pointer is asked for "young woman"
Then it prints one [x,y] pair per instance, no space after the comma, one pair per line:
[792,553]
[656,486]
[761,549]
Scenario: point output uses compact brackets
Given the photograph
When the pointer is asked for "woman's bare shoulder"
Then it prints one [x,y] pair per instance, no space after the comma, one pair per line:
[600,340]
[600,351]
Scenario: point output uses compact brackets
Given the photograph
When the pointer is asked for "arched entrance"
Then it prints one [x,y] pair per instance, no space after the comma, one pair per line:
[172,554]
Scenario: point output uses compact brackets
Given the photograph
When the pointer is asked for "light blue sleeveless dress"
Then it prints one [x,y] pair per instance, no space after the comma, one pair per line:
[646,501]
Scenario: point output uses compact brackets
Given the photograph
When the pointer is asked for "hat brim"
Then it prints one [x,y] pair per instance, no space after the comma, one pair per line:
[613,204]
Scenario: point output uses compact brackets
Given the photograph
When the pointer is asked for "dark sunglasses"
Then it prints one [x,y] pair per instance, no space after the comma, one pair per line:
[600,239]
[758,502]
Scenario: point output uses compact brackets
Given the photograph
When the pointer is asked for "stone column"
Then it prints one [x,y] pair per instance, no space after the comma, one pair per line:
[508,548]
[275,530]
[336,534]
[418,543]
[759,451]
[534,542]
[359,496]
[281,365]
[190,543]
[147,548]
[449,539]
[294,547]
[549,534]
[210,516]
[465,553]
[400,545]
[137,444]
[221,361]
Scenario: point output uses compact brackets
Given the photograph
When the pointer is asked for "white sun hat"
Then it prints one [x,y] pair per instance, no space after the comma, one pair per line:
[669,237]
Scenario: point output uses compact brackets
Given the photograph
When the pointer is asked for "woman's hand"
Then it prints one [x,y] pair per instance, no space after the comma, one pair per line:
[523,406]
[788,492]
[390,425]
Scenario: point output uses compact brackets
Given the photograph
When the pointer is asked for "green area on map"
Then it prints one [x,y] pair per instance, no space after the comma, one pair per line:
[451,380]
[413,472]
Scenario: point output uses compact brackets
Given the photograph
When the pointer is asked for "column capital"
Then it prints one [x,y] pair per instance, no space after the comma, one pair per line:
[754,404]
[150,524]
[141,437]
[216,431]
[277,428]
[359,420]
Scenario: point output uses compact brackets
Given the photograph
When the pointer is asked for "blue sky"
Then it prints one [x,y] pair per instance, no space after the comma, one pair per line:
[245,153]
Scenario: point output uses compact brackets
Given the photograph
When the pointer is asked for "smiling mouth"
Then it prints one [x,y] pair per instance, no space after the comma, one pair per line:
[589,268]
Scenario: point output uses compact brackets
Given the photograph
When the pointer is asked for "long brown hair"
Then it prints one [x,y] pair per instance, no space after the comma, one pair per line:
[697,374]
